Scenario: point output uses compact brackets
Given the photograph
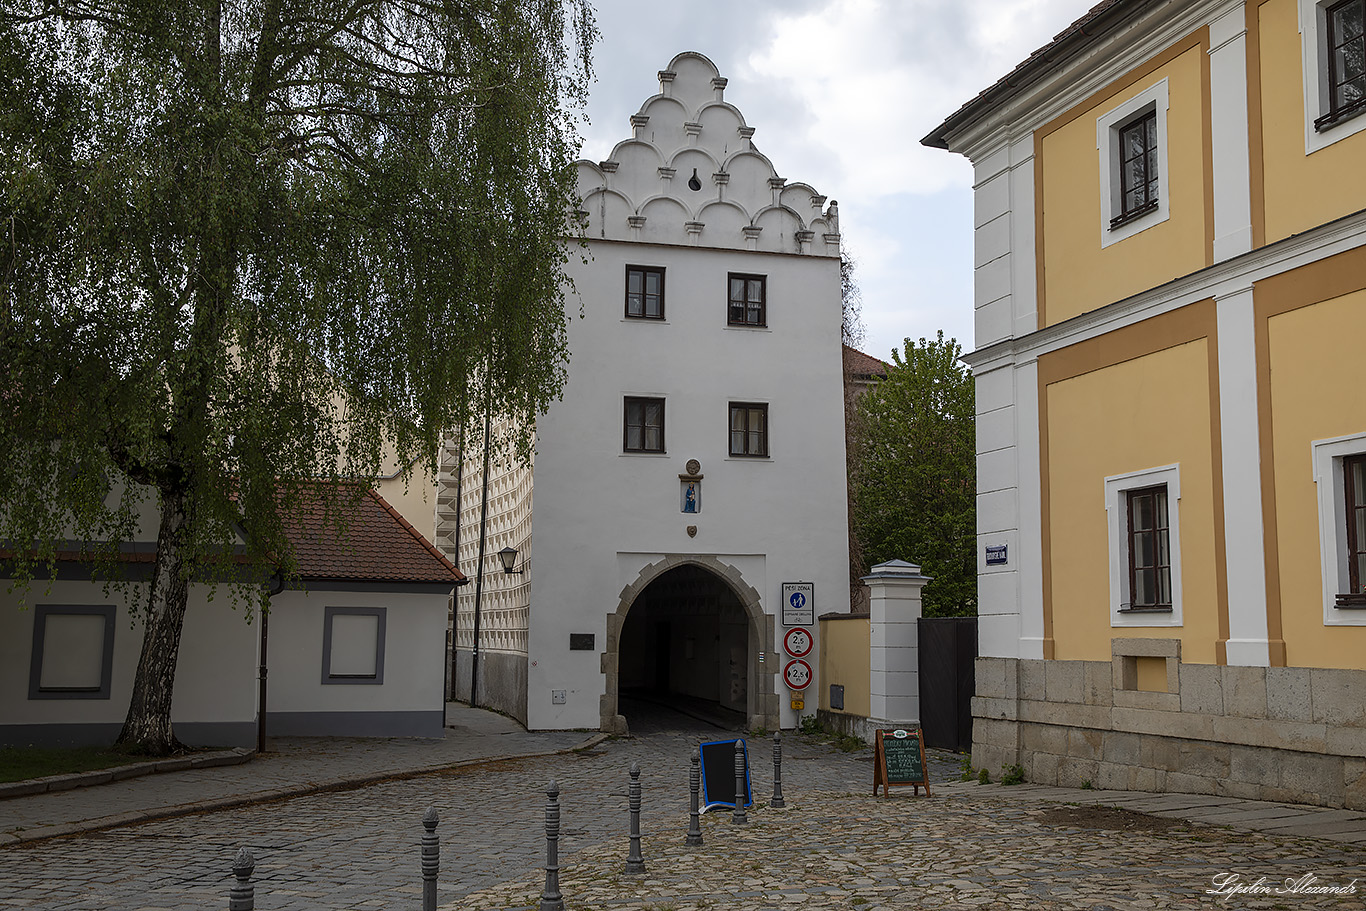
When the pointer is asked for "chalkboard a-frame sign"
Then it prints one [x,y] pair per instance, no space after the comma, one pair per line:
[718,774]
[899,759]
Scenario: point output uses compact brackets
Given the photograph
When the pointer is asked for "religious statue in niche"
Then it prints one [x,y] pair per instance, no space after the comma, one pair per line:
[690,488]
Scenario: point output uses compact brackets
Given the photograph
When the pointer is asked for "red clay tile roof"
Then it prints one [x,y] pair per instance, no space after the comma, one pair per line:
[860,364]
[1101,18]
[380,546]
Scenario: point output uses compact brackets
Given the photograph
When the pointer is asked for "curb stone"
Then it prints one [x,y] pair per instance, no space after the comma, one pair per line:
[51,783]
[28,836]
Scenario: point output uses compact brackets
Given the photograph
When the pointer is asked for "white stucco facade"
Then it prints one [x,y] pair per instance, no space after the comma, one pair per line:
[607,521]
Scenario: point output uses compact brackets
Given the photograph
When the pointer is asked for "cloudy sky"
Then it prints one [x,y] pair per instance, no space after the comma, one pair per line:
[840,92]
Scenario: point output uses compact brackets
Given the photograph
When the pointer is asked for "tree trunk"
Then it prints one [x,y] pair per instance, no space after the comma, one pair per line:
[148,725]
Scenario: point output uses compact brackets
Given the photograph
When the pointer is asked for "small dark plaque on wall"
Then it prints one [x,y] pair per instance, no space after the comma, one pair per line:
[837,696]
[582,642]
[996,555]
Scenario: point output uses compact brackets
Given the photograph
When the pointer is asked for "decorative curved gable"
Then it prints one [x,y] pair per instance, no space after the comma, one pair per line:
[690,174]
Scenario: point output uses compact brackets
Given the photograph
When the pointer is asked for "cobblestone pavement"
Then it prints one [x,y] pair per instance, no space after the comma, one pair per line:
[835,846]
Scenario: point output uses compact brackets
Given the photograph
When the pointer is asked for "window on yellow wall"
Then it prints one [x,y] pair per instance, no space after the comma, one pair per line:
[1137,168]
[1150,562]
[1131,140]
[1346,58]
[1340,475]
[1333,52]
[1143,519]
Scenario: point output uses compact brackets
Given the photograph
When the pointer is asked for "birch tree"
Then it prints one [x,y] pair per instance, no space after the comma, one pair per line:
[253,244]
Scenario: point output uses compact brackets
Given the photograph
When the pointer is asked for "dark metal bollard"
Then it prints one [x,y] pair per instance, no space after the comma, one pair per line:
[777,802]
[551,900]
[635,863]
[739,815]
[243,894]
[694,784]
[431,859]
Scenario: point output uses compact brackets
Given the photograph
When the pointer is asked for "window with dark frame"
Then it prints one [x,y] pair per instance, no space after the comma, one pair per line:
[747,300]
[1150,561]
[748,429]
[1346,54]
[643,425]
[1354,485]
[644,292]
[1138,183]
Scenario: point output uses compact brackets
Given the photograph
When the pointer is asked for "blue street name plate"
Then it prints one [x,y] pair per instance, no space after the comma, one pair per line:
[996,554]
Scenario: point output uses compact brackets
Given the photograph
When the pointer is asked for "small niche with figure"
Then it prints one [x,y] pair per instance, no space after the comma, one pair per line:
[690,488]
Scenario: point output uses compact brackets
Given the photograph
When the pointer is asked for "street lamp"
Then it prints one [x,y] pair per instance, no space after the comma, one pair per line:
[509,557]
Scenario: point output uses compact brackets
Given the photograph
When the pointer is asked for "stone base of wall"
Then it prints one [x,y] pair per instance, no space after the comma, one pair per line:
[502,681]
[1283,734]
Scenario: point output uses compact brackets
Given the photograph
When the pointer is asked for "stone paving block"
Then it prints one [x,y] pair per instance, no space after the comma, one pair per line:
[1208,759]
[1337,696]
[1075,773]
[1121,747]
[1042,768]
[1097,683]
[1288,694]
[1254,766]
[1031,678]
[1313,776]
[1063,681]
[1354,783]
[1190,784]
[1110,775]
[1036,738]
[1085,744]
[1201,689]
[1245,691]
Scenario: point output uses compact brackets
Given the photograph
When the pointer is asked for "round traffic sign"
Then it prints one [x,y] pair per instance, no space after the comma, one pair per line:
[797,673]
[798,642]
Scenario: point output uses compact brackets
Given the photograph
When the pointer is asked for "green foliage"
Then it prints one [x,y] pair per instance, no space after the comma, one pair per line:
[915,477]
[1012,774]
[967,772]
[1086,785]
[811,724]
[252,244]
[983,777]
[23,763]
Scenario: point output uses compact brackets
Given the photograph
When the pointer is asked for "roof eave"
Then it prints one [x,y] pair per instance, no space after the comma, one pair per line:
[1050,58]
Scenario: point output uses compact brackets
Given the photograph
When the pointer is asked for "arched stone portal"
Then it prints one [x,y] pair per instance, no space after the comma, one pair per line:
[761,701]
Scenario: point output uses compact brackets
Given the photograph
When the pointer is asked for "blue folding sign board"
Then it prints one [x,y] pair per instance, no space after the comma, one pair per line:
[996,554]
[718,774]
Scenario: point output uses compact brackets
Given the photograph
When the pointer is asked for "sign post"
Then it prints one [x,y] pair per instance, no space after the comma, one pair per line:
[899,759]
[799,603]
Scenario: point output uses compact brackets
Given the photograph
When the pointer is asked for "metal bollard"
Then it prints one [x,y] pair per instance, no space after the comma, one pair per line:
[431,859]
[243,894]
[551,900]
[739,816]
[694,784]
[777,802]
[635,863]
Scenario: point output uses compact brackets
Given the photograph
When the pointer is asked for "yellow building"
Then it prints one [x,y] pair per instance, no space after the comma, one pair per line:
[1170,230]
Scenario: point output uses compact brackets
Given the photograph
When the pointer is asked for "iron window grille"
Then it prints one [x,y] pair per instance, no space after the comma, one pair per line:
[1346,53]
[1138,179]
[1354,486]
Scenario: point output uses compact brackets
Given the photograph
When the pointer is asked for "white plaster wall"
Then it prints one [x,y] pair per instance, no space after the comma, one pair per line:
[601,516]
[414,654]
[215,674]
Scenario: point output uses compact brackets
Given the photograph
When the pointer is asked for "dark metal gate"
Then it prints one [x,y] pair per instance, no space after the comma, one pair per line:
[948,646]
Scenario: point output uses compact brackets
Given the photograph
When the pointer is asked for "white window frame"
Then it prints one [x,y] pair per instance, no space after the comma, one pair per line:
[376,679]
[1314,55]
[1327,458]
[41,614]
[1108,125]
[1117,523]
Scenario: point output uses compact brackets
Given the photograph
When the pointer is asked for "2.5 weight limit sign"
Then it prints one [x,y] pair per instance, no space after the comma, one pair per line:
[797,674]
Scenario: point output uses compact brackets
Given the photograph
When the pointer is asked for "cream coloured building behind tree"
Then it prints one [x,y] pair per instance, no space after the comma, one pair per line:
[696,461]
[1170,232]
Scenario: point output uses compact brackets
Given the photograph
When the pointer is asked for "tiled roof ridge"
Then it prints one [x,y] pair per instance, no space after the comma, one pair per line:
[854,355]
[408,526]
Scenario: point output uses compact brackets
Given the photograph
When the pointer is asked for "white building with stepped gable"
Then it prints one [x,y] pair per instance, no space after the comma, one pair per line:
[696,461]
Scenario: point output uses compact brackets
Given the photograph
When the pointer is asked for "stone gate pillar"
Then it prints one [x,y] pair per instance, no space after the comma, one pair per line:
[894,643]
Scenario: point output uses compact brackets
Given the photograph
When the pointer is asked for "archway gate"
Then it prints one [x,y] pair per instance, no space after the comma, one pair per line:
[762,699]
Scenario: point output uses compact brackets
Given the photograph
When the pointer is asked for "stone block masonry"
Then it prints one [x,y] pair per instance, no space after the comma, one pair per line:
[1282,734]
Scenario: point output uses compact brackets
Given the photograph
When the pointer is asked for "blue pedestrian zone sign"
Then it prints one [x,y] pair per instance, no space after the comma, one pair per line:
[799,604]
[718,775]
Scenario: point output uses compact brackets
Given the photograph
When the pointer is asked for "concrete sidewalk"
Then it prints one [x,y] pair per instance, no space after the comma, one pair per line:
[291,767]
